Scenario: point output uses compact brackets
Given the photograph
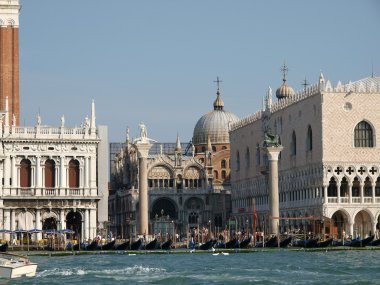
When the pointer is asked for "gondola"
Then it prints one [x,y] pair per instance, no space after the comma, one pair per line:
[375,242]
[325,243]
[166,244]
[122,246]
[93,245]
[109,246]
[272,242]
[234,243]
[152,245]
[207,245]
[361,242]
[137,244]
[4,247]
[308,243]
[245,243]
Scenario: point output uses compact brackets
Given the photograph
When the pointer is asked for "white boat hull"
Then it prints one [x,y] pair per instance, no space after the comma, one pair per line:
[18,270]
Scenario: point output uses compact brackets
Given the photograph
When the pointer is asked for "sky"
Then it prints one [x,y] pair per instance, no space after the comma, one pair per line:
[156,61]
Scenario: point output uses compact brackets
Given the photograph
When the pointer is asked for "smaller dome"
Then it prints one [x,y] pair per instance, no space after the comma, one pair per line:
[284,91]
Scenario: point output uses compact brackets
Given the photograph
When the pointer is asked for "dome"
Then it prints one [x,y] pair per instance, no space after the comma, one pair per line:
[284,91]
[214,124]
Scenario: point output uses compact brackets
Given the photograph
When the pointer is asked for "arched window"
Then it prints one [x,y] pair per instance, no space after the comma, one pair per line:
[293,144]
[237,160]
[257,155]
[216,176]
[363,135]
[74,173]
[213,148]
[223,163]
[309,139]
[25,173]
[224,174]
[49,173]
[247,158]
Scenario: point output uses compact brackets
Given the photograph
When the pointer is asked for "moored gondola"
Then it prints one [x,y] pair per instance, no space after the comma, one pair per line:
[123,246]
[109,246]
[244,243]
[207,245]
[234,243]
[324,243]
[93,245]
[272,242]
[286,242]
[167,244]
[4,247]
[308,243]
[375,242]
[137,244]
[361,242]
[154,244]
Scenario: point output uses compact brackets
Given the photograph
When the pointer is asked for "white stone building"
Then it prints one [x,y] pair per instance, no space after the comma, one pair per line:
[53,177]
[329,167]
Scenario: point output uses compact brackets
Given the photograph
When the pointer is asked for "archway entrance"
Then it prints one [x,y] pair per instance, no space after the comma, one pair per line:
[49,224]
[163,217]
[339,225]
[74,223]
[362,225]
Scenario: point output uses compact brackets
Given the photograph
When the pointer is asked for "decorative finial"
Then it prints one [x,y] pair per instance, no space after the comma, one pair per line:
[284,69]
[218,103]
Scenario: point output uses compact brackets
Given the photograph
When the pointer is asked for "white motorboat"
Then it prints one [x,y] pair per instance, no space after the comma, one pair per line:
[13,266]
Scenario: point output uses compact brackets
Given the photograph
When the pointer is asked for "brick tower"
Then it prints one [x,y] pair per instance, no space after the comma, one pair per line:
[9,58]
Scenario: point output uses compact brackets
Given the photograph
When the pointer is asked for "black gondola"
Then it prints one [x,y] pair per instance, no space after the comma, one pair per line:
[122,246]
[286,242]
[166,244]
[245,243]
[375,242]
[207,245]
[152,245]
[234,243]
[308,243]
[4,247]
[93,245]
[137,244]
[325,243]
[272,242]
[109,246]
[361,242]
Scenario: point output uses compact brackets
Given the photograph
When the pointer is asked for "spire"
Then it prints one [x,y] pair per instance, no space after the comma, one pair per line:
[92,125]
[178,144]
[218,103]
[321,81]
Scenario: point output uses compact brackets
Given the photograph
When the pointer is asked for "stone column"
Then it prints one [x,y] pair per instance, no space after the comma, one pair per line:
[92,223]
[38,223]
[325,193]
[62,219]
[373,192]
[86,178]
[351,232]
[373,224]
[14,172]
[338,192]
[350,193]
[86,224]
[7,222]
[274,208]
[13,219]
[62,171]
[143,150]
[361,193]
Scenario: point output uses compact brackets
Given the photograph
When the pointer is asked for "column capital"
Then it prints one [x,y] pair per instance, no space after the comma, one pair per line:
[273,151]
[143,149]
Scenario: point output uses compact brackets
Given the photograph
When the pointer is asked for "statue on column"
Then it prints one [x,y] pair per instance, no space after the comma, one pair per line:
[271,140]
[143,132]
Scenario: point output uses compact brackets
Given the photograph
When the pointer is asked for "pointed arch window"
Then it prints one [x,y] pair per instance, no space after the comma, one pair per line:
[309,139]
[293,144]
[237,161]
[49,173]
[363,135]
[74,173]
[247,158]
[25,173]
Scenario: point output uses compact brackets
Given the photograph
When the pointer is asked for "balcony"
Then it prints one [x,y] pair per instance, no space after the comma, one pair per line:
[18,193]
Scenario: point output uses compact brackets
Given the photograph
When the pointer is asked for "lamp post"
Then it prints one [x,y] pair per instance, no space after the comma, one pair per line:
[247,227]
[209,228]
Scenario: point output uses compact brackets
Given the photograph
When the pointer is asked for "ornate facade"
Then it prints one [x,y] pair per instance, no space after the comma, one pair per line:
[329,168]
[188,184]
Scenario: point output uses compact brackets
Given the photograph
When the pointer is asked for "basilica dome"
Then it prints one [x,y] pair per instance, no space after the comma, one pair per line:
[214,125]
[284,91]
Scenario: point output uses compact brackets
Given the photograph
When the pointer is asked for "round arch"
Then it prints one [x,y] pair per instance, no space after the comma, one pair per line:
[164,207]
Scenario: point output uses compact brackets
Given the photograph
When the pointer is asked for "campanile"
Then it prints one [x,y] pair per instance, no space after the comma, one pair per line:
[9,58]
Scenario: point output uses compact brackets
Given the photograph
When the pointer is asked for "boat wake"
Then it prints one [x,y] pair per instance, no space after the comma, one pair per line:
[135,270]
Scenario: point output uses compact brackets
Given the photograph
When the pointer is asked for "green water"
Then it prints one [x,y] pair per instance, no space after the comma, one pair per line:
[275,267]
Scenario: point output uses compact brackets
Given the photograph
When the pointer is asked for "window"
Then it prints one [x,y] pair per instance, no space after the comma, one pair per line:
[216,174]
[224,174]
[237,161]
[49,173]
[309,139]
[258,155]
[363,135]
[74,173]
[293,144]
[247,158]
[223,163]
[25,173]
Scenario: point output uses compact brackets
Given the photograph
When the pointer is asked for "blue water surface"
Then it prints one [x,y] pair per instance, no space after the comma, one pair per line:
[275,267]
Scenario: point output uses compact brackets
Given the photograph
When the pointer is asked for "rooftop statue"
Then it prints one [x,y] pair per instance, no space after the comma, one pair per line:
[143,132]
[271,140]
